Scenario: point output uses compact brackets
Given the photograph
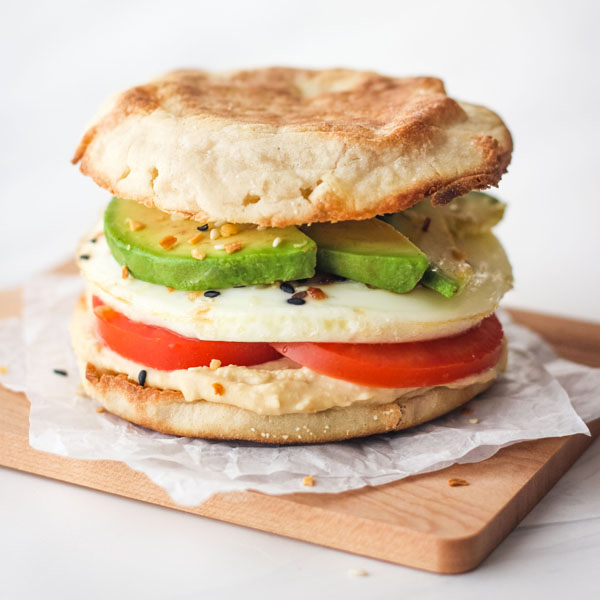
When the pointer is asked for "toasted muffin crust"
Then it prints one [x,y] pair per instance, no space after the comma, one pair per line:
[281,146]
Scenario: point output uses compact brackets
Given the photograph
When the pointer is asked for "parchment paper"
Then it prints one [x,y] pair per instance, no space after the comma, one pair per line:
[534,399]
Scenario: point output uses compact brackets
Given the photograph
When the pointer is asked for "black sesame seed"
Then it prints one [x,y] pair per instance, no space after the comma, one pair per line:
[300,294]
[60,372]
[142,377]
[202,227]
[296,301]
[94,240]
[84,256]
[288,288]
[212,293]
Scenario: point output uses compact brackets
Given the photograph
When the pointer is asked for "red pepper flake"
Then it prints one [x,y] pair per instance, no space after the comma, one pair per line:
[316,293]
[124,272]
[195,239]
[218,388]
[168,242]
[457,482]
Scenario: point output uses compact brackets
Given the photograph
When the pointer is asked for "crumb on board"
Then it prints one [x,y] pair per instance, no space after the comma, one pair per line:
[473,421]
[455,482]
[3,370]
[357,573]
[100,410]
[215,363]
[308,480]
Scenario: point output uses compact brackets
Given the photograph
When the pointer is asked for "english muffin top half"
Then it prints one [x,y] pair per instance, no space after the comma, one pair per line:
[282,146]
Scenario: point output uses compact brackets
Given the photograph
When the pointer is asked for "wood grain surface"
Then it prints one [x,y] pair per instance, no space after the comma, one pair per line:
[420,521]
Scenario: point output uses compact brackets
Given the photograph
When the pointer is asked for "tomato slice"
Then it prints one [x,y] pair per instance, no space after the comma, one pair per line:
[412,364]
[159,348]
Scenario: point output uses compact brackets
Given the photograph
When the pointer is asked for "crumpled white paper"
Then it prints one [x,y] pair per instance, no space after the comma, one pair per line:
[532,400]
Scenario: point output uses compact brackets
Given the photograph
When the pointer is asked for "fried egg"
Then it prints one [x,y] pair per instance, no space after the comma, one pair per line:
[349,311]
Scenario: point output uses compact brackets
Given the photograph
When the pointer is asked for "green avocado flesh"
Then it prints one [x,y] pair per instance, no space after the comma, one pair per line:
[369,251]
[448,272]
[473,213]
[436,230]
[134,233]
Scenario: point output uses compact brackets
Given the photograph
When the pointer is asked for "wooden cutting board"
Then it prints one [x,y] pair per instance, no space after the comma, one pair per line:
[420,521]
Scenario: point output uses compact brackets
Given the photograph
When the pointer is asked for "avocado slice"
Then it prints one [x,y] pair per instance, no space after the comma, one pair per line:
[426,227]
[473,213]
[181,254]
[369,251]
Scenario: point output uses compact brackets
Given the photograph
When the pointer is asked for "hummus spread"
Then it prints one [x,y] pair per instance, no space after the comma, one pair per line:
[274,388]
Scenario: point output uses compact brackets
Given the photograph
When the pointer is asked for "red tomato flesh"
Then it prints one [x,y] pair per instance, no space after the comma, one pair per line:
[166,350]
[412,364]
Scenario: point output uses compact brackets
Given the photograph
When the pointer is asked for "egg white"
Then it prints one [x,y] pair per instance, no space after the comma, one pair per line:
[351,312]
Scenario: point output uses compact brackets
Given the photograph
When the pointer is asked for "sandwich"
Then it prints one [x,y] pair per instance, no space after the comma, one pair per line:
[290,255]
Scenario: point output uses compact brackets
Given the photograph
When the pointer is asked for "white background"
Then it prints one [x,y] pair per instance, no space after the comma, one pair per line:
[535,63]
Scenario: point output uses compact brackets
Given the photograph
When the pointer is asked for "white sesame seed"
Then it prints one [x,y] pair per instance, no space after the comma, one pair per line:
[357,573]
[276,242]
[252,429]
[285,437]
[219,223]
[214,234]
[375,417]
[219,246]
